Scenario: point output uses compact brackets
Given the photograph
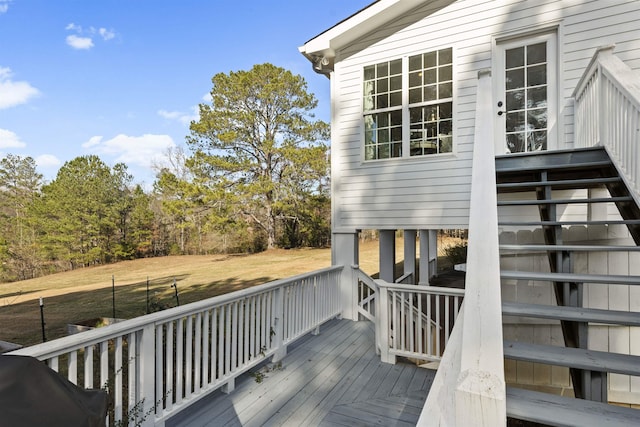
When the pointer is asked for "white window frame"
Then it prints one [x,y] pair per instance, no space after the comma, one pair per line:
[405,108]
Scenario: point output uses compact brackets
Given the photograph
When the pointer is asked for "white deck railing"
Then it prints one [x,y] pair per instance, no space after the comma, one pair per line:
[607,112]
[157,364]
[417,320]
[367,293]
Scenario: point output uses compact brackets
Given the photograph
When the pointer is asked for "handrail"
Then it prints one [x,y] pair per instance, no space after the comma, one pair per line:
[162,362]
[607,112]
[367,294]
[406,278]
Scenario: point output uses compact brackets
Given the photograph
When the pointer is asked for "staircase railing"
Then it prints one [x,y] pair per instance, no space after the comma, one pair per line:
[607,112]
[367,294]
[156,365]
[469,388]
[415,320]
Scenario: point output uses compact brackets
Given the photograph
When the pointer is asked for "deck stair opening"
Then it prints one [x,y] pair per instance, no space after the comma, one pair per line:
[569,232]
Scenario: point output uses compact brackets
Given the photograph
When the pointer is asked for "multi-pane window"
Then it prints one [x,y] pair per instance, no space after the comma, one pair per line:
[430,102]
[383,110]
[526,98]
[428,106]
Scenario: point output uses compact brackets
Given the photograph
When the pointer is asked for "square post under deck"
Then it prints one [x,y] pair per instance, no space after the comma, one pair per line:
[387,255]
[428,255]
[410,253]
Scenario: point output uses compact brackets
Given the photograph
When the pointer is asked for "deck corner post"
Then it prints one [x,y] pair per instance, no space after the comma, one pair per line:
[382,324]
[344,251]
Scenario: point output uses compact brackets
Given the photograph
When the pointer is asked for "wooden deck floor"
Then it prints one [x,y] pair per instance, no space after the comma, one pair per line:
[333,379]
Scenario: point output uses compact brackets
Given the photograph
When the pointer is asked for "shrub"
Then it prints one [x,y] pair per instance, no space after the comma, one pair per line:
[456,254]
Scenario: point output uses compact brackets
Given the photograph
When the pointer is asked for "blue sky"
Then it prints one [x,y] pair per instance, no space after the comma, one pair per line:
[122,79]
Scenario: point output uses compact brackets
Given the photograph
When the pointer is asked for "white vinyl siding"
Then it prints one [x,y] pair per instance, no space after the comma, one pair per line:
[433,191]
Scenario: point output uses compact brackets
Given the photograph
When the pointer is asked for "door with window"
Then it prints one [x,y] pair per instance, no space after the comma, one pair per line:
[526,94]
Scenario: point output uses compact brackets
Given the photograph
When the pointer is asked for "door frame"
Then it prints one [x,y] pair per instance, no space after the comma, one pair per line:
[500,42]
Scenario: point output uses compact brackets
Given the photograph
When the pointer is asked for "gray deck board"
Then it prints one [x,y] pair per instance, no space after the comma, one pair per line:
[333,379]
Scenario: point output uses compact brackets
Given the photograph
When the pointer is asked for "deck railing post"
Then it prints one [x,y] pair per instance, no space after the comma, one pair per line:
[278,325]
[344,251]
[147,375]
[383,329]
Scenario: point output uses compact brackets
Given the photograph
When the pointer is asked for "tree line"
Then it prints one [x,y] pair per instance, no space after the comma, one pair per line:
[253,176]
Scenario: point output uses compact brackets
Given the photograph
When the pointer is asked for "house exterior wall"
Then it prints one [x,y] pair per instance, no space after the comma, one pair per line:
[432,192]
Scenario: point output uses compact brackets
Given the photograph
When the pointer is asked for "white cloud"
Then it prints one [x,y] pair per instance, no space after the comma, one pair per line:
[132,150]
[9,139]
[73,27]
[83,38]
[182,117]
[93,141]
[48,161]
[4,6]
[77,42]
[106,34]
[14,93]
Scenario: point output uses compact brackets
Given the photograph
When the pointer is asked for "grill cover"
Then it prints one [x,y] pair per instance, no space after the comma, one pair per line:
[32,394]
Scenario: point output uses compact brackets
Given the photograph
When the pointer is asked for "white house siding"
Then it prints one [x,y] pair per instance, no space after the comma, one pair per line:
[433,192]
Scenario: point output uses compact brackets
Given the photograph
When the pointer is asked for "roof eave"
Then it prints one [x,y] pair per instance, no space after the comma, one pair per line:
[323,47]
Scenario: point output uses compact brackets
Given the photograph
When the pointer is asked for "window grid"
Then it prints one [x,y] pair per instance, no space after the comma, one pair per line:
[526,98]
[383,110]
[429,93]
[430,83]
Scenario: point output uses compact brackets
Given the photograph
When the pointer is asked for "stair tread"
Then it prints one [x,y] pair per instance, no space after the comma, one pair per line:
[578,358]
[578,314]
[585,222]
[559,182]
[557,410]
[543,166]
[571,277]
[584,248]
[562,201]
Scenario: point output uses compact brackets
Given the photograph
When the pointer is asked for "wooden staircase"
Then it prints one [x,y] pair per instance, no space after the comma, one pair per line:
[551,194]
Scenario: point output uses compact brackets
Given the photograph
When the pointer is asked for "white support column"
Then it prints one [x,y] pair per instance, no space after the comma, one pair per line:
[433,253]
[428,255]
[410,253]
[387,255]
[344,251]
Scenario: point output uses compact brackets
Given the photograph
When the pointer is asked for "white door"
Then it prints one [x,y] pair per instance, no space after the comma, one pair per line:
[526,94]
